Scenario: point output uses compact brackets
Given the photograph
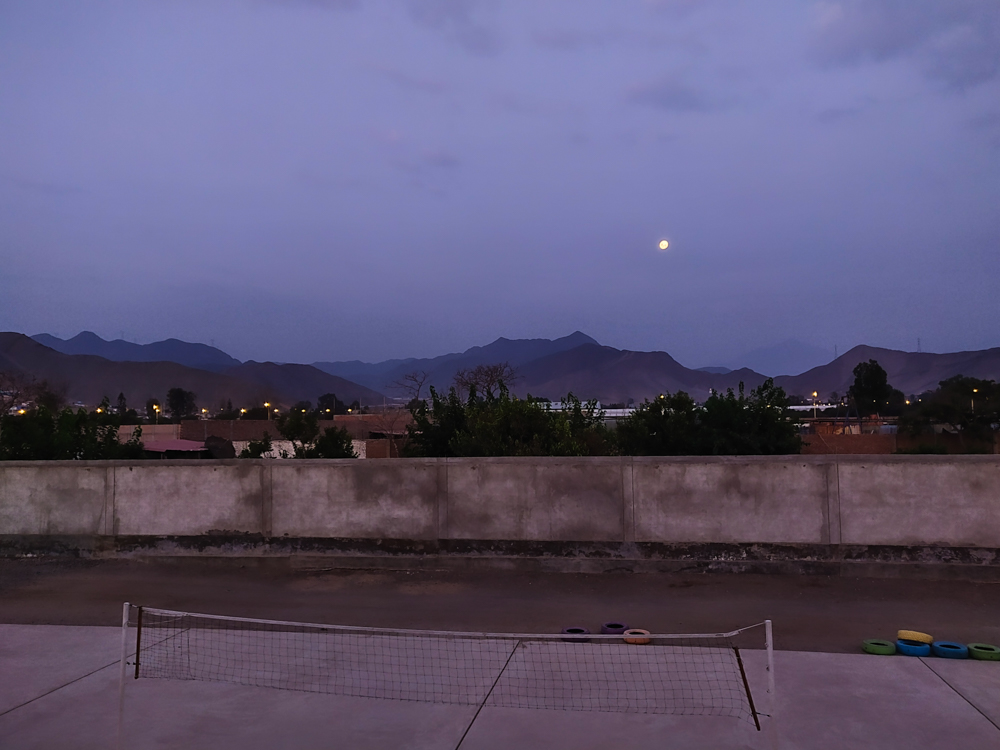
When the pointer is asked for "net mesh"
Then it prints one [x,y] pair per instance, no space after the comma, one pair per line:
[692,675]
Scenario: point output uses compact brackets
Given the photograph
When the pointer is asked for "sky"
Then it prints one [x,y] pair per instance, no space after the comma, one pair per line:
[370,179]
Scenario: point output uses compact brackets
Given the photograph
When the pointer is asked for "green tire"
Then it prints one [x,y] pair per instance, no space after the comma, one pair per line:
[878,647]
[984,652]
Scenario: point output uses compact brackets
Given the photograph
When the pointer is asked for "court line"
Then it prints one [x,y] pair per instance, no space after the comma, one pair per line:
[940,677]
[60,687]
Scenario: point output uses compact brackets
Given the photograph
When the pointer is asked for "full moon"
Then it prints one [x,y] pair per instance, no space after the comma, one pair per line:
[664,244]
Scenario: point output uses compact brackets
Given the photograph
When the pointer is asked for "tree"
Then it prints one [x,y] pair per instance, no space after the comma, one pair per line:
[969,406]
[666,426]
[486,380]
[181,403]
[329,406]
[501,425]
[301,427]
[871,391]
[412,384]
[752,425]
[43,435]
[730,424]
[257,448]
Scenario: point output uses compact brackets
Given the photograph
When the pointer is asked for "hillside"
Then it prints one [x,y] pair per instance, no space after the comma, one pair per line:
[199,356]
[518,352]
[614,375]
[89,378]
[910,372]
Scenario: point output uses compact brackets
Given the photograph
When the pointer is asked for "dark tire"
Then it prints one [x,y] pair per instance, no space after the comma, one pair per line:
[613,628]
[912,648]
[577,634]
[984,652]
[878,647]
[950,650]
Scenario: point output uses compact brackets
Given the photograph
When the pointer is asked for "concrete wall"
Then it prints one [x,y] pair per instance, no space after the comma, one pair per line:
[828,500]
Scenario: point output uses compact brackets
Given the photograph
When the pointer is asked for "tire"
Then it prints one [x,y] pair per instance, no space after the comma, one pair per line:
[637,636]
[613,628]
[914,635]
[984,652]
[912,648]
[878,647]
[950,650]
[576,634]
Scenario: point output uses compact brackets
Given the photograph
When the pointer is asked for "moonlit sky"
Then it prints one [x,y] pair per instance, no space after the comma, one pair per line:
[367,179]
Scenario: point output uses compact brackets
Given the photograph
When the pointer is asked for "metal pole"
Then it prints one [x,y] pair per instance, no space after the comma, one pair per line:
[121,676]
[772,730]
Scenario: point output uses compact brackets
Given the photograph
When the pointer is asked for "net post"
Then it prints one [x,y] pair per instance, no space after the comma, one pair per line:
[121,676]
[772,703]
[492,688]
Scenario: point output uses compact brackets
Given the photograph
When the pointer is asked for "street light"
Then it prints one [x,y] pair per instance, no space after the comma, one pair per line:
[974,391]
[267,406]
[815,395]
[156,414]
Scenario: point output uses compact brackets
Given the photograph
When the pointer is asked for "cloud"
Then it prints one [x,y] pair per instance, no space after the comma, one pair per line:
[457,19]
[672,95]
[956,42]
[565,40]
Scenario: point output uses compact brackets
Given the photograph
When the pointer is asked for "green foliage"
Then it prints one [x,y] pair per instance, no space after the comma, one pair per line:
[500,425]
[730,424]
[871,391]
[180,404]
[301,426]
[969,406]
[335,442]
[754,425]
[44,435]
[257,448]
[666,426]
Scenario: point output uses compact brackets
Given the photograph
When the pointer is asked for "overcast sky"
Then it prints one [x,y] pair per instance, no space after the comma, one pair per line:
[366,179]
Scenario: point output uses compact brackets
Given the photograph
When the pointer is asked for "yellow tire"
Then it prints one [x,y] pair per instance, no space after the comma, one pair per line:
[914,635]
[637,636]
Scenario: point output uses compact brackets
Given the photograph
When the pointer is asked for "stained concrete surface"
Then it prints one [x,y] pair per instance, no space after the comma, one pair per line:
[824,701]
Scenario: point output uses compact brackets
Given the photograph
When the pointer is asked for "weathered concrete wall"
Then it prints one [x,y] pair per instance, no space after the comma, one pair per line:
[731,500]
[949,501]
[388,499]
[560,499]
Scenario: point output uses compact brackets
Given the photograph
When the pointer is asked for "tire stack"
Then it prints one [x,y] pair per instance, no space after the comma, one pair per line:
[915,643]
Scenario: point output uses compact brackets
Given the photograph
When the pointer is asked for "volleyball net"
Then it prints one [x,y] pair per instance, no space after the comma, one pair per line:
[689,674]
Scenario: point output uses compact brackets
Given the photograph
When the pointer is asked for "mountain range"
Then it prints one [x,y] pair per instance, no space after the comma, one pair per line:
[88,378]
[549,368]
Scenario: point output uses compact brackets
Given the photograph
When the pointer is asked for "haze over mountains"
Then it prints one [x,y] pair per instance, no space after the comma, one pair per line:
[549,368]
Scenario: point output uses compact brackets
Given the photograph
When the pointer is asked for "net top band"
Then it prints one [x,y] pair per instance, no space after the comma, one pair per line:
[442,633]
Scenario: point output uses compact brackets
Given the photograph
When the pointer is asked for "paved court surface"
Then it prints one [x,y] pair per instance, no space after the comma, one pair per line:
[59,689]
[58,656]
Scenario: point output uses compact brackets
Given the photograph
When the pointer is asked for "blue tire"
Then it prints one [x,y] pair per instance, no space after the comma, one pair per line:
[913,648]
[613,628]
[950,650]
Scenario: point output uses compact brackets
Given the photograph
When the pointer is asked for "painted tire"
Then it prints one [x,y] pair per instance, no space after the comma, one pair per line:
[950,650]
[637,636]
[912,648]
[984,652]
[878,647]
[576,635]
[914,635]
[613,628]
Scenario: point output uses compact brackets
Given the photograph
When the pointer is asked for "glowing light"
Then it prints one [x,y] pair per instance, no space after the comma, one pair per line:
[664,244]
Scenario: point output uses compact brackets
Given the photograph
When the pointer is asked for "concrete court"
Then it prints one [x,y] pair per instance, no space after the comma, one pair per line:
[59,689]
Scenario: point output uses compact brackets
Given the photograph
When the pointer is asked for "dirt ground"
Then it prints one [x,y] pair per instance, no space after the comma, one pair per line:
[810,613]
